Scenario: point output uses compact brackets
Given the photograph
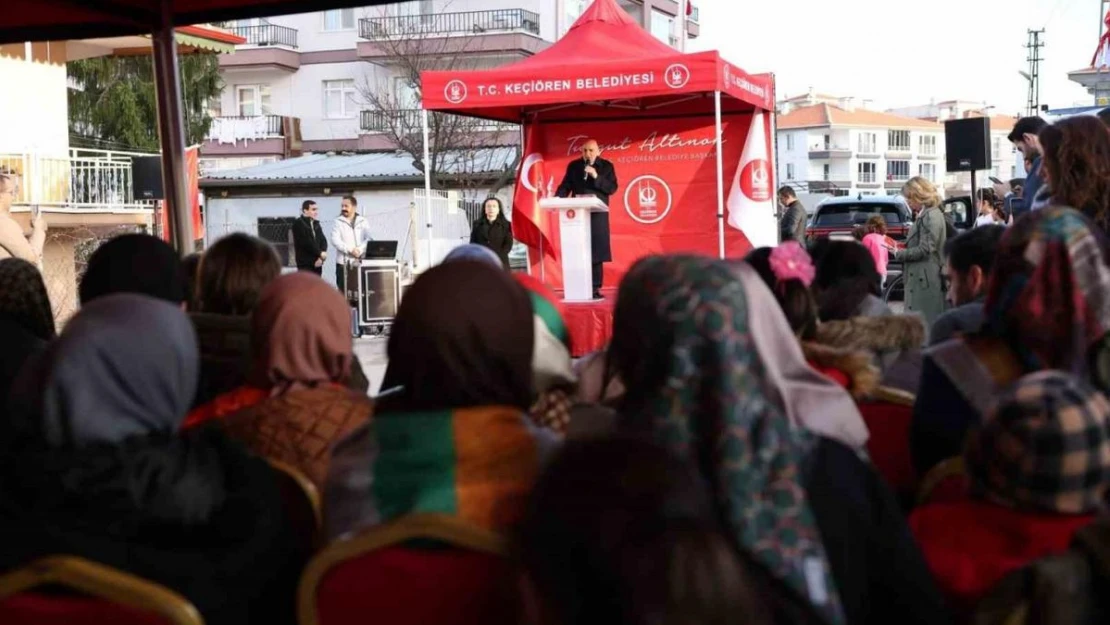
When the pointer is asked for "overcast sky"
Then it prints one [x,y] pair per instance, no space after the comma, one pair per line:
[901,53]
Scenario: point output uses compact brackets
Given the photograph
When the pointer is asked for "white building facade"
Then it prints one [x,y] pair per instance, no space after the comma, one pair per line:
[824,148]
[301,83]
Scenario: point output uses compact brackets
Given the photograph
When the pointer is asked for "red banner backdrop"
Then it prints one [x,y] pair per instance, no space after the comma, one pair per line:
[667,199]
[192,191]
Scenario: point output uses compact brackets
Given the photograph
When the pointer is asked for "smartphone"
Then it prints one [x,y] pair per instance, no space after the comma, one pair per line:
[995,180]
[35,210]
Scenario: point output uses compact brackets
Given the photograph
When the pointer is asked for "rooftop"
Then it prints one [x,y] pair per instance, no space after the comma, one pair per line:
[379,167]
[826,115]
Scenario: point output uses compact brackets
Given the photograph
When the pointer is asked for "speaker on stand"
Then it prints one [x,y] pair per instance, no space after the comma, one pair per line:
[146,178]
[967,148]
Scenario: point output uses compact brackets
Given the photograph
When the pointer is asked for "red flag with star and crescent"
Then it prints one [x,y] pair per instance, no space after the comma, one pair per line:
[532,185]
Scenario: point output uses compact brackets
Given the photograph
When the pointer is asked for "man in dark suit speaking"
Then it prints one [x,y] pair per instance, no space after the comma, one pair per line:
[593,175]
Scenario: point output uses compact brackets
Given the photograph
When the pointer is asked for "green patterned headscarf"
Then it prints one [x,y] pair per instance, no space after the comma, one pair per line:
[683,346]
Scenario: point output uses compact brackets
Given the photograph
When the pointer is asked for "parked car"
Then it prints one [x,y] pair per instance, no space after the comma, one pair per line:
[837,217]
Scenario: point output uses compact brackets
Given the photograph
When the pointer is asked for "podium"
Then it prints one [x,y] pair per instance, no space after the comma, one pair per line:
[574,236]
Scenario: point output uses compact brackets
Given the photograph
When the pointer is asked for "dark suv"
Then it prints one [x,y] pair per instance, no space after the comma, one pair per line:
[837,217]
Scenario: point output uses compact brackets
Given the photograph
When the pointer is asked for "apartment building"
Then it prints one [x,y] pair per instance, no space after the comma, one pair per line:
[1006,162]
[845,150]
[316,82]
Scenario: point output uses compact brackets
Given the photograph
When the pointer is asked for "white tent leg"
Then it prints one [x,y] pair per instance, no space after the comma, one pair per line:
[167,89]
[427,187]
[720,177]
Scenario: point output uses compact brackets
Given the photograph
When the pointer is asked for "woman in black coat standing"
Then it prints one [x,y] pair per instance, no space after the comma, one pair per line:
[494,231]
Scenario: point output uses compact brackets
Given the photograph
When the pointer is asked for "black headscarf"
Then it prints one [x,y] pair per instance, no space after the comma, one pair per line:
[134,263]
[23,298]
[462,338]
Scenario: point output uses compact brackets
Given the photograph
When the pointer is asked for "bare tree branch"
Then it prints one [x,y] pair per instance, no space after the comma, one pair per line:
[409,45]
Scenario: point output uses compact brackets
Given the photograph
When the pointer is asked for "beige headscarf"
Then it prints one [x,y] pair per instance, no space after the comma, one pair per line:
[810,399]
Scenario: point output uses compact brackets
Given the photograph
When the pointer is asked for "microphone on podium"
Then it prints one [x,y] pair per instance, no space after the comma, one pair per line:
[586,174]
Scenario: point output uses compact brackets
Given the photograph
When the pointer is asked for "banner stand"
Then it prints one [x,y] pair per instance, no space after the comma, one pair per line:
[720,176]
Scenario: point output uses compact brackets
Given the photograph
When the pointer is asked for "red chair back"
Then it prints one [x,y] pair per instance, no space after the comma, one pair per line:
[419,569]
[34,608]
[888,418]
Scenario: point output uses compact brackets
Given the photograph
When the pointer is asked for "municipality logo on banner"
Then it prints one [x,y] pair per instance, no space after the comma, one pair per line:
[751,208]
[648,199]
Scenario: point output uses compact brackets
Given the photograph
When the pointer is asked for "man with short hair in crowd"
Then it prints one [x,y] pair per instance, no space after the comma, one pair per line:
[970,259]
[14,243]
[792,224]
[349,236]
[310,246]
[1024,136]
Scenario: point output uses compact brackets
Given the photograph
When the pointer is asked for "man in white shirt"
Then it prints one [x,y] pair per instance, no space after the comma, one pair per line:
[348,236]
[13,242]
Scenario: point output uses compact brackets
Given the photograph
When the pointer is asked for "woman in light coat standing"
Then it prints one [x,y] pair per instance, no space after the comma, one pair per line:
[923,256]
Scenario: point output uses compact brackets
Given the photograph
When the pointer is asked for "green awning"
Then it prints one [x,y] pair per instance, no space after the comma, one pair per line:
[201,43]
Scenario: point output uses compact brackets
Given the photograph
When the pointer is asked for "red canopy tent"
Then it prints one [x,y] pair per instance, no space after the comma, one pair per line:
[57,20]
[605,68]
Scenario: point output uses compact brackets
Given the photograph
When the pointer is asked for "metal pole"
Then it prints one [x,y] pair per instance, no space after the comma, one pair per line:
[682,26]
[167,90]
[720,176]
[428,186]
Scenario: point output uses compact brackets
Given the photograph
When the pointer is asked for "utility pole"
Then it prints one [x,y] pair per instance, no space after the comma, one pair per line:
[1033,56]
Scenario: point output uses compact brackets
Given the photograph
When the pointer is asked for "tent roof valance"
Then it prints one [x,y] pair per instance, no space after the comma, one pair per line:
[606,66]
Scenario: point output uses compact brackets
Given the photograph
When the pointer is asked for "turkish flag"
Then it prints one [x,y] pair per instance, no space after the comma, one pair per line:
[689,9]
[529,220]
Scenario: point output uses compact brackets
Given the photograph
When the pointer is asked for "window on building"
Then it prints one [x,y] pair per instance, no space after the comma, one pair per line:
[573,9]
[279,232]
[826,172]
[413,7]
[867,141]
[927,171]
[996,148]
[897,170]
[927,145]
[406,93]
[340,99]
[662,27]
[790,171]
[252,100]
[789,142]
[339,19]
[866,172]
[898,140]
[827,142]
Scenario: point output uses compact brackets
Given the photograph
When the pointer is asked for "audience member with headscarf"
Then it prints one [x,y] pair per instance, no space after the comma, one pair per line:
[298,404]
[854,317]
[1039,470]
[787,270]
[233,273]
[92,464]
[1047,307]
[553,376]
[622,531]
[26,319]
[459,380]
[134,263]
[473,251]
[715,374]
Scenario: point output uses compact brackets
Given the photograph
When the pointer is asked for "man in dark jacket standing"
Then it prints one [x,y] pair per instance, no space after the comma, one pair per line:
[792,225]
[309,243]
[1025,138]
[593,175]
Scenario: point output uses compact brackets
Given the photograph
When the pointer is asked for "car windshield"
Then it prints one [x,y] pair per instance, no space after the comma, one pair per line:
[856,214]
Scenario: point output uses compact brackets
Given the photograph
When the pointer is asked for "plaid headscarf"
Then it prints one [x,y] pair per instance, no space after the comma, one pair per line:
[553,373]
[682,344]
[1049,292]
[23,298]
[1046,448]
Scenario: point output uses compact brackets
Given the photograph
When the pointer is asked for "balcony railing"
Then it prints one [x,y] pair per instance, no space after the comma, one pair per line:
[267,35]
[866,177]
[404,121]
[235,128]
[84,180]
[465,23]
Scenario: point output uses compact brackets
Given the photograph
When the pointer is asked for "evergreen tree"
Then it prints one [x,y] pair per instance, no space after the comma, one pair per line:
[113,99]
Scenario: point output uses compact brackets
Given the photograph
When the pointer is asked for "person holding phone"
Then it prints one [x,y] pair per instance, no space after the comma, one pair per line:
[14,242]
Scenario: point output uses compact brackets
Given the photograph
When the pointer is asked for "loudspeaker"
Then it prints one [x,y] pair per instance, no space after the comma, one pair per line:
[967,144]
[146,177]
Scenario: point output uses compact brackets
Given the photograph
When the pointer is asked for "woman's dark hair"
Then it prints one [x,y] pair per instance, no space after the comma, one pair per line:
[986,195]
[190,269]
[846,275]
[1077,159]
[500,208]
[794,298]
[233,273]
[619,530]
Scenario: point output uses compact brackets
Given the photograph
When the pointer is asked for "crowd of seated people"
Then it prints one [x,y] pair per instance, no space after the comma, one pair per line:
[763,441]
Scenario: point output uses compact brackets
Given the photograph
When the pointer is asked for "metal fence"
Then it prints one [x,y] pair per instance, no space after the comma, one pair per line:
[267,35]
[467,22]
[401,121]
[83,180]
